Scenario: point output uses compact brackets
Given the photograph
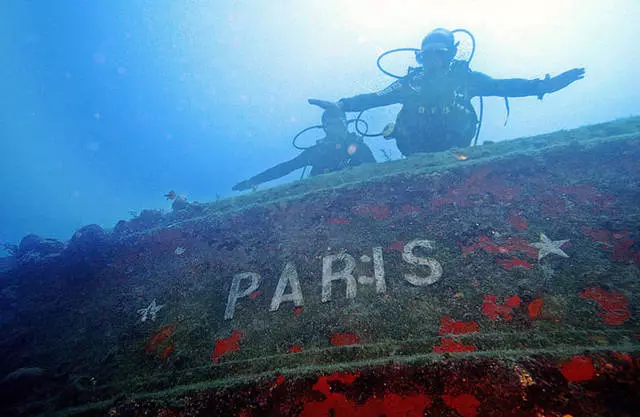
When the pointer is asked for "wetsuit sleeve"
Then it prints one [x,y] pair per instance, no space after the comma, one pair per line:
[391,95]
[283,168]
[483,85]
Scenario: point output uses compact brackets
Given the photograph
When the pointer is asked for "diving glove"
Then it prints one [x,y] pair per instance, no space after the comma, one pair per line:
[324,104]
[553,84]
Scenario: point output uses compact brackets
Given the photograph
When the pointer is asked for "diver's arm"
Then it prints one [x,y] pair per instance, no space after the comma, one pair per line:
[275,172]
[390,95]
[483,85]
[393,94]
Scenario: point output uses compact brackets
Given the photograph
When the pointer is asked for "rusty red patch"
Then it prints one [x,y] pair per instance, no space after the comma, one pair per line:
[451,326]
[518,222]
[615,305]
[534,308]
[588,195]
[579,368]
[479,186]
[465,404]
[552,205]
[397,246]
[338,220]
[159,338]
[344,339]
[511,245]
[167,351]
[491,308]
[509,264]
[255,294]
[449,345]
[227,345]
[297,311]
[337,404]
[618,243]
[377,211]
[409,210]
[295,349]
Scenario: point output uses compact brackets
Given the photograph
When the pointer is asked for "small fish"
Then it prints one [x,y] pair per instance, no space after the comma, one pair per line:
[460,156]
[171,195]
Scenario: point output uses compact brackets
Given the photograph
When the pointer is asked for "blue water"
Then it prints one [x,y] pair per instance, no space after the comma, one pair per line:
[106,106]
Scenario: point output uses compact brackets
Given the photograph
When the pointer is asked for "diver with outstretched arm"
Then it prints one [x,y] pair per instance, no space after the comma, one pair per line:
[436,98]
[339,149]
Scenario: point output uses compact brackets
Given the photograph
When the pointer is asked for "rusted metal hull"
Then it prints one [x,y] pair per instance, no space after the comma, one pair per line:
[504,284]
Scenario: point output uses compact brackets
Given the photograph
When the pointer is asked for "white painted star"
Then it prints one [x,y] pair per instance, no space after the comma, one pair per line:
[547,246]
[150,311]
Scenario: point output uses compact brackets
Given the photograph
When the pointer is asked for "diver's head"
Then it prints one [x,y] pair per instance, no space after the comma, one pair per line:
[437,50]
[334,122]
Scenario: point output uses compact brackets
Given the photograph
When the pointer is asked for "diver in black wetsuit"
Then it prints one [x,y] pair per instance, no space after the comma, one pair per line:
[436,109]
[338,150]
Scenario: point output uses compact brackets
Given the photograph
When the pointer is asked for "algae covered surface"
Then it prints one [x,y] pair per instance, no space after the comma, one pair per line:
[522,258]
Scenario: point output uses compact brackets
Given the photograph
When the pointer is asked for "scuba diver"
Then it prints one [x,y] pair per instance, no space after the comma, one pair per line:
[436,112]
[338,150]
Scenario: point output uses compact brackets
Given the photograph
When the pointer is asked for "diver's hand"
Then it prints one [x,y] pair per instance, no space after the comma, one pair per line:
[243,185]
[324,104]
[561,81]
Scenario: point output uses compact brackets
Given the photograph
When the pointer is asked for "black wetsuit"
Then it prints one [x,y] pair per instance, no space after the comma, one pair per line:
[327,155]
[437,113]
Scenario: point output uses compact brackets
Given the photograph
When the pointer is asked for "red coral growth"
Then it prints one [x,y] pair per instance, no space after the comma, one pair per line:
[223,346]
[255,294]
[394,405]
[623,356]
[338,220]
[449,345]
[409,210]
[603,236]
[579,368]
[451,326]
[344,339]
[336,404]
[465,404]
[166,412]
[510,246]
[160,337]
[508,264]
[619,243]
[167,351]
[534,308]
[615,305]
[476,185]
[295,349]
[377,211]
[333,405]
[622,251]
[491,308]
[586,194]
[551,205]
[397,246]
[518,222]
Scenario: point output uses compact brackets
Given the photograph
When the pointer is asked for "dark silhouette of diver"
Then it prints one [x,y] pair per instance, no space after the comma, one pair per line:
[436,98]
[338,150]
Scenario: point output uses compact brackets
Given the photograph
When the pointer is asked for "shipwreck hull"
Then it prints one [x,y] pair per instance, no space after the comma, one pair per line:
[498,280]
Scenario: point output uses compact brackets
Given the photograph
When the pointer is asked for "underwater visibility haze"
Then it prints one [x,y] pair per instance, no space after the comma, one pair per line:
[194,225]
[106,106]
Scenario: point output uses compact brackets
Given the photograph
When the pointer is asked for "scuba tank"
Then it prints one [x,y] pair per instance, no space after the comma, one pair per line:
[460,53]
